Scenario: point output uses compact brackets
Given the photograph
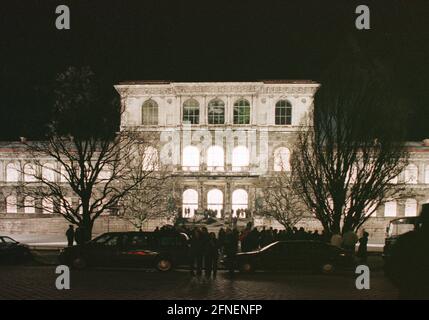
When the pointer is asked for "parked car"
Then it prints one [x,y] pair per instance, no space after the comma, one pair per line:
[12,251]
[161,250]
[295,256]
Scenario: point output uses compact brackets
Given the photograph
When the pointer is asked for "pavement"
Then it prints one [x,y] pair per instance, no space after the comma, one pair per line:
[38,282]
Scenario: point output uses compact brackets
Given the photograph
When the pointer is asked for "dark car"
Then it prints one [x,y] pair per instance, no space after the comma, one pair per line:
[396,228]
[161,250]
[295,256]
[12,251]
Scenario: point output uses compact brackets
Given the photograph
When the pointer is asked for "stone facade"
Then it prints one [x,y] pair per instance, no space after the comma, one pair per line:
[252,126]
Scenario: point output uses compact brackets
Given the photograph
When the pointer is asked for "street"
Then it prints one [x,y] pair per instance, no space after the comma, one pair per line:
[38,282]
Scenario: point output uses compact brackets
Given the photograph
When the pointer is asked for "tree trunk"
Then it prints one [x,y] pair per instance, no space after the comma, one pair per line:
[87,225]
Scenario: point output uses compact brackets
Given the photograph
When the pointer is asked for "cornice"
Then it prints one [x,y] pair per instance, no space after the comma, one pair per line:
[222,88]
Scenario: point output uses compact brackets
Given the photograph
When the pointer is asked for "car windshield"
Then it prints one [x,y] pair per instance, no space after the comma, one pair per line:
[102,239]
[401,226]
[8,240]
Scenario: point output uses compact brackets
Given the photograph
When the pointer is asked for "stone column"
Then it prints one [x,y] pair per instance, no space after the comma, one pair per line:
[227,200]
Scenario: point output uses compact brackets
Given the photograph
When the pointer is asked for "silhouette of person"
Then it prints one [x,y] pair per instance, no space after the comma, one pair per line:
[79,236]
[408,265]
[349,241]
[363,247]
[196,252]
[70,236]
[231,248]
[221,239]
[337,240]
[211,255]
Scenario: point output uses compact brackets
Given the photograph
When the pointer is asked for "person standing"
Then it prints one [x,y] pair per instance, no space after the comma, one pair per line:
[78,235]
[70,236]
[196,252]
[363,247]
[231,248]
[221,240]
[336,240]
[211,255]
[349,241]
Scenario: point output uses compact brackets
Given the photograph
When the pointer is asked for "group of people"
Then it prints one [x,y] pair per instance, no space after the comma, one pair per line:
[73,235]
[253,239]
[206,248]
[348,242]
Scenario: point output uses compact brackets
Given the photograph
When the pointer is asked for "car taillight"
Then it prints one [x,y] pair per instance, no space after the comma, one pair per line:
[136,253]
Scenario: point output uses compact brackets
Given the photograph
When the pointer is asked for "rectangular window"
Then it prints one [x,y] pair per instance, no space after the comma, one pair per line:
[216,115]
[283,116]
[241,115]
[191,115]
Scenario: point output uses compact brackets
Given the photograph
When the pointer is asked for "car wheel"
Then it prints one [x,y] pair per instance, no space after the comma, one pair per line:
[79,263]
[164,265]
[327,268]
[246,267]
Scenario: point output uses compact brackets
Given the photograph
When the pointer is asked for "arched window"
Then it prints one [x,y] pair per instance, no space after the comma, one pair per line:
[150,112]
[48,172]
[215,201]
[240,158]
[12,173]
[390,208]
[29,205]
[29,172]
[191,111]
[191,158]
[150,159]
[427,174]
[242,112]
[189,203]
[11,204]
[239,202]
[215,158]
[48,205]
[283,114]
[216,112]
[410,207]
[411,174]
[281,159]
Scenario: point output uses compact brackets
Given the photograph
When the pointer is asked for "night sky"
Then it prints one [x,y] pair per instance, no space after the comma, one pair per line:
[203,41]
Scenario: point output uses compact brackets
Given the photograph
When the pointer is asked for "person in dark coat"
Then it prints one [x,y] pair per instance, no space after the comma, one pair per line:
[196,252]
[253,240]
[211,255]
[408,265]
[221,240]
[70,236]
[231,248]
[79,236]
[363,247]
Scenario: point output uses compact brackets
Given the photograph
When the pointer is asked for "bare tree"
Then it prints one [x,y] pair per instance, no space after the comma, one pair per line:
[98,174]
[282,200]
[153,196]
[83,157]
[348,163]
